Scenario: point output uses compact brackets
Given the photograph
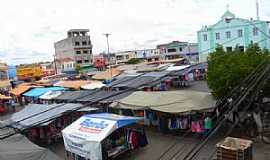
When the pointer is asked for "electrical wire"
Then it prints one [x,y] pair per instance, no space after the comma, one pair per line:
[197,149]
[232,110]
[223,101]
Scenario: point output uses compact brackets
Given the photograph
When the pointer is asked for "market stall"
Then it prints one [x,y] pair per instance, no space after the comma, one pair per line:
[48,97]
[93,85]
[3,103]
[44,123]
[34,94]
[76,84]
[174,111]
[18,147]
[102,136]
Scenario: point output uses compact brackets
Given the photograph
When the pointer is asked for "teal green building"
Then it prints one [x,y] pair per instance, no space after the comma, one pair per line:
[232,32]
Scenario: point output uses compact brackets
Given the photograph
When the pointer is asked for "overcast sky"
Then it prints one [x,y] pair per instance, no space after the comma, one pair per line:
[29,28]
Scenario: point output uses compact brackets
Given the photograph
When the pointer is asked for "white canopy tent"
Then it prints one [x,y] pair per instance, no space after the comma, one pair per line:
[84,136]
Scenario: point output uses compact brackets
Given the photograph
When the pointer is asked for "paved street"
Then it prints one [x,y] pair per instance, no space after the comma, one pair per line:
[160,143]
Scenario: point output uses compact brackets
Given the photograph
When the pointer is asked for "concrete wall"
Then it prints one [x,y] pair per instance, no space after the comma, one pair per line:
[79,48]
[232,26]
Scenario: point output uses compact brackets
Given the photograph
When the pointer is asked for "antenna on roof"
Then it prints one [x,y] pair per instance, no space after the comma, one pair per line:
[257,10]
[228,7]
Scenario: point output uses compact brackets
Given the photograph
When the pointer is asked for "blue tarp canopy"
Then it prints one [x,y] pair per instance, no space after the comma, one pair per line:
[36,92]
[121,120]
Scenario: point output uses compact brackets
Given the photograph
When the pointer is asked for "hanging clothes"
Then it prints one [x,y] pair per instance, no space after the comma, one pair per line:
[41,133]
[200,128]
[133,140]
[142,139]
[208,123]
[193,126]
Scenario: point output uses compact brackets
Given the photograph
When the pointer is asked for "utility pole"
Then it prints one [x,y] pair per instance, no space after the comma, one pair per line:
[108,53]
[55,68]
[257,10]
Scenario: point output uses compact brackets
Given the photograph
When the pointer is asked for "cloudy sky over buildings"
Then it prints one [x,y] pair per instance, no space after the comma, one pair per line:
[30,27]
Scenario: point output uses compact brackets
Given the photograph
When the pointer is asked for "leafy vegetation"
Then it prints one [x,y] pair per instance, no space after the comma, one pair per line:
[134,61]
[228,69]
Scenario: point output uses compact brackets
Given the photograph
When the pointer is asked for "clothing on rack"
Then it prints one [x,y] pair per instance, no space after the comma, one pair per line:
[178,123]
[197,126]
[208,124]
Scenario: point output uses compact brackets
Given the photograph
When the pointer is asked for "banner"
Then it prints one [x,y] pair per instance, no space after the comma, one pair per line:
[84,136]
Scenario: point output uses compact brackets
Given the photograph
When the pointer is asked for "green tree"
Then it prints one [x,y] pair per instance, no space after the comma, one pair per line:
[134,61]
[78,68]
[228,69]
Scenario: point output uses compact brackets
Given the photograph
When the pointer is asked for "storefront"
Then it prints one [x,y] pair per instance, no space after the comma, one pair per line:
[102,136]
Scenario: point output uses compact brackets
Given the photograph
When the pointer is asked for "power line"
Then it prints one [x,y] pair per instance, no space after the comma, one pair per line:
[267,63]
[222,101]
[267,70]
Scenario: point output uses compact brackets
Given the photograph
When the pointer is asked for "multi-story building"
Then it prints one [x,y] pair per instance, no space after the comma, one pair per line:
[145,54]
[76,46]
[177,49]
[100,62]
[150,55]
[124,56]
[110,59]
[3,71]
[67,65]
[48,68]
[232,32]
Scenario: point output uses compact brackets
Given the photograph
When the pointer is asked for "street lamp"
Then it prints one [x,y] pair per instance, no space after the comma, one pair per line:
[107,37]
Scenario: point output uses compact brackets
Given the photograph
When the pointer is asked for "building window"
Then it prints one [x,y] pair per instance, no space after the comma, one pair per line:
[118,57]
[85,51]
[241,48]
[228,20]
[171,50]
[217,36]
[205,37]
[127,56]
[84,43]
[77,43]
[240,33]
[89,42]
[78,52]
[90,51]
[228,34]
[229,49]
[79,61]
[255,31]
[180,49]
[86,61]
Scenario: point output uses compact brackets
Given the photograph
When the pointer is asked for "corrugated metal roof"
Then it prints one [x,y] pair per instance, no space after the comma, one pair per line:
[99,95]
[35,114]
[73,95]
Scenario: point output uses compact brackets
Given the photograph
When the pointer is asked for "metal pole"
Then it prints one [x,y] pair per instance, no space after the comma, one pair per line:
[108,47]
[55,68]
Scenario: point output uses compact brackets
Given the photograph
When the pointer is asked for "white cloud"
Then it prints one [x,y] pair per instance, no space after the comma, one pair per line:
[29,28]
